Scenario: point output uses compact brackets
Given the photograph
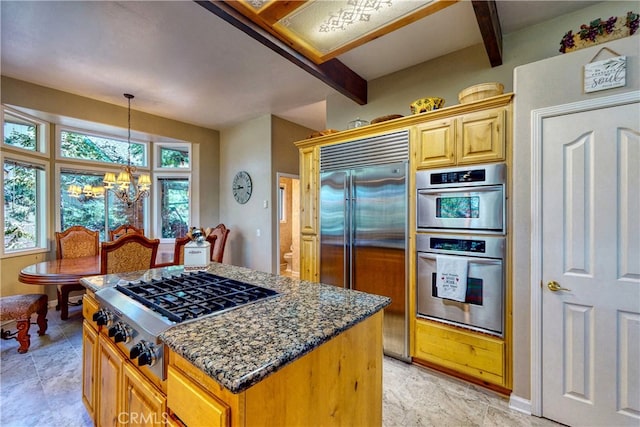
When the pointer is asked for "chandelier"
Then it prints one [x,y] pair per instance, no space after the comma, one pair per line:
[124,186]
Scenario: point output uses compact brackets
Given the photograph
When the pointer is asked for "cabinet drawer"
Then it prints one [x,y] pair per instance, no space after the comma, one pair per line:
[192,404]
[469,353]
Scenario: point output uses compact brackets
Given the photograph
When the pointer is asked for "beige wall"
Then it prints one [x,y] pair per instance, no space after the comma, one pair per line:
[58,107]
[262,147]
[247,147]
[446,76]
[285,160]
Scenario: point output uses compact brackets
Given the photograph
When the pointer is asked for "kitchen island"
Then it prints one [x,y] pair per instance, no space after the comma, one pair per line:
[311,355]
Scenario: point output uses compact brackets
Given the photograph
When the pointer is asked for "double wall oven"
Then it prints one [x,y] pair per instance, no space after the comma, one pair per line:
[461,229]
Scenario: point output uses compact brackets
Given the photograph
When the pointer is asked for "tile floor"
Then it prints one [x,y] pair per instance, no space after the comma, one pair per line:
[44,387]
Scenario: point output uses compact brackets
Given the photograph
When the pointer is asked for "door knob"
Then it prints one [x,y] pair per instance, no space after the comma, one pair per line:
[555,286]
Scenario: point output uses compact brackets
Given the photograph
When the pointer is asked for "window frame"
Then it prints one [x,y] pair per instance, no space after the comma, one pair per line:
[157,150]
[42,133]
[157,221]
[42,203]
[81,169]
[91,166]
[116,166]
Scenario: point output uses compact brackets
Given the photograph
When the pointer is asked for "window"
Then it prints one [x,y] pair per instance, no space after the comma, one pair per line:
[24,185]
[21,131]
[91,206]
[174,206]
[83,146]
[173,157]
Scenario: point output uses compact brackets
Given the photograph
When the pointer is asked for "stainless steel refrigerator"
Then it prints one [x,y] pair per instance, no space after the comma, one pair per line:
[363,231]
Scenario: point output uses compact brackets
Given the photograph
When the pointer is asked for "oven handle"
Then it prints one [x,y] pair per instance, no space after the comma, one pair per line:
[478,189]
[470,259]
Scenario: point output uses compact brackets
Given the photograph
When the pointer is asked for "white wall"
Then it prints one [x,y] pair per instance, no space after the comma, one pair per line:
[546,83]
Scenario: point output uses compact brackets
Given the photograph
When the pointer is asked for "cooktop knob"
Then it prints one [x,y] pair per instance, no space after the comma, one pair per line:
[120,332]
[103,317]
[136,350]
[148,357]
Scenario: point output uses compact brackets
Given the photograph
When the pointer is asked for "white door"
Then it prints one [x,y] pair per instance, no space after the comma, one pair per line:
[591,247]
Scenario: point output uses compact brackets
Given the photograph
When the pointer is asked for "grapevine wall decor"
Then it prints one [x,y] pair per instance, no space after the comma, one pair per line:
[600,31]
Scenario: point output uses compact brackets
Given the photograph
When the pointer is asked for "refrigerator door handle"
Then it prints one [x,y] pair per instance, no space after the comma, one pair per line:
[348,272]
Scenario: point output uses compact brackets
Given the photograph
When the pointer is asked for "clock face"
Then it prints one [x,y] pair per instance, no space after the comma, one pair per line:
[242,187]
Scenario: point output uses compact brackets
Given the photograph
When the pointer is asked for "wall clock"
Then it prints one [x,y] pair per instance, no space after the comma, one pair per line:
[242,187]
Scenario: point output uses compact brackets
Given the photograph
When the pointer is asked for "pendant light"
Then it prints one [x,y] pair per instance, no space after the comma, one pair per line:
[124,186]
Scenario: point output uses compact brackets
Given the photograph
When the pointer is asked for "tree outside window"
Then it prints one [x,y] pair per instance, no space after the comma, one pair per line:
[22,190]
[174,206]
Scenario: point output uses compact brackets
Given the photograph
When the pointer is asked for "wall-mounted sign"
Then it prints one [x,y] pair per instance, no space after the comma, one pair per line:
[605,74]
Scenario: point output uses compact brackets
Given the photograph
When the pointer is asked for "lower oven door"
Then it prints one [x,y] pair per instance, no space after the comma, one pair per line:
[483,309]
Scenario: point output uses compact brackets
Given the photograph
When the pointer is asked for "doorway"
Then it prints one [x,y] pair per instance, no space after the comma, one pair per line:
[289,225]
[585,256]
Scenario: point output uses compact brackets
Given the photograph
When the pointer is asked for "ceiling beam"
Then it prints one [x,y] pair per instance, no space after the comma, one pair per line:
[333,72]
[487,16]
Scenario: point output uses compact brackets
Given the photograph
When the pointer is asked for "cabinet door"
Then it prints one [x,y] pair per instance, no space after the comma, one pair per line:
[143,403]
[474,354]
[109,373]
[481,136]
[193,404]
[436,144]
[89,360]
[309,258]
[308,190]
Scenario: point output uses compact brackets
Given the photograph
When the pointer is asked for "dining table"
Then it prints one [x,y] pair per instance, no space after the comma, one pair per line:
[69,271]
[65,271]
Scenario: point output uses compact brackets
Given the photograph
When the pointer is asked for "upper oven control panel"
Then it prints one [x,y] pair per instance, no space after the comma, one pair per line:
[477,175]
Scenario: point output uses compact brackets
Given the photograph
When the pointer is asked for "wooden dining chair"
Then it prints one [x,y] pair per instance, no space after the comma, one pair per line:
[131,252]
[178,250]
[217,237]
[74,242]
[123,230]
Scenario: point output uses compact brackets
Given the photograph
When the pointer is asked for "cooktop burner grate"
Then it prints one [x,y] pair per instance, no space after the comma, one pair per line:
[194,295]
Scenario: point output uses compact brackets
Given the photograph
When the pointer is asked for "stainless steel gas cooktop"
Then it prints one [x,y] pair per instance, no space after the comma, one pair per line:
[136,313]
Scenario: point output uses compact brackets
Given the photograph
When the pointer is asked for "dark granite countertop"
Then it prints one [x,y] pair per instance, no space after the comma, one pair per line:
[241,347]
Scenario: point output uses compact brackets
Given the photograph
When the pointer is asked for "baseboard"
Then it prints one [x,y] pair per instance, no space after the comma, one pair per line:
[519,404]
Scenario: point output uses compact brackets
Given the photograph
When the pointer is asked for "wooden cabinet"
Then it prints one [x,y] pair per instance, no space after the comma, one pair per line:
[465,134]
[309,213]
[113,390]
[89,359]
[309,257]
[481,136]
[108,390]
[477,137]
[469,353]
[193,404]
[436,143]
[309,190]
[331,385]
[143,403]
